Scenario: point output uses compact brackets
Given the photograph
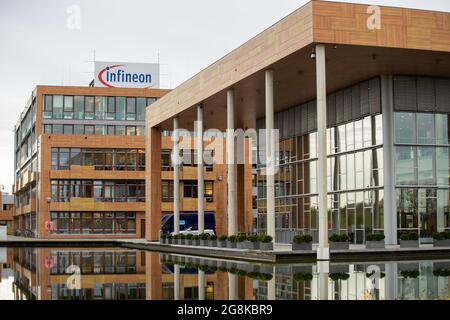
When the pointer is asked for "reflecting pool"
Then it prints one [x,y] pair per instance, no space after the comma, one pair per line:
[121,274]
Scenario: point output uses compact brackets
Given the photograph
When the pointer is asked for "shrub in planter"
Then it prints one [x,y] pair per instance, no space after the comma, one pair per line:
[182,239]
[266,243]
[195,240]
[409,240]
[204,237]
[231,243]
[253,242]
[339,242]
[302,242]
[203,268]
[301,277]
[441,273]
[169,239]
[410,274]
[339,276]
[176,239]
[163,238]
[222,241]
[241,241]
[441,239]
[375,241]
[189,238]
[212,242]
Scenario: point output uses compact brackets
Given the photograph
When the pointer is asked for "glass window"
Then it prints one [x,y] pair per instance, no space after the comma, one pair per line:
[48,103]
[140,130]
[100,105]
[425,128]
[405,127]
[111,130]
[89,129]
[131,108]
[99,130]
[68,129]
[57,129]
[68,107]
[140,110]
[47,129]
[442,129]
[111,109]
[443,166]
[75,156]
[79,107]
[405,166]
[89,108]
[425,161]
[131,130]
[78,129]
[58,107]
[120,108]
[443,210]
[120,130]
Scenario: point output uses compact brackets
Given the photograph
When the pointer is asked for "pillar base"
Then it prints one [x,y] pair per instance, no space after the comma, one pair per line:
[323,253]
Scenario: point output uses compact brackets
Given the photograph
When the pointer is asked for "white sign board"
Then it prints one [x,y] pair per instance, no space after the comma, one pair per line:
[126,75]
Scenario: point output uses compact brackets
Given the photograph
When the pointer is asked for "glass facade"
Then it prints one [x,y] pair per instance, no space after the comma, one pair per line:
[84,223]
[422,171]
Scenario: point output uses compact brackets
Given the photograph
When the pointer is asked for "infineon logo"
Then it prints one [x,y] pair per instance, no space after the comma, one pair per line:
[126,75]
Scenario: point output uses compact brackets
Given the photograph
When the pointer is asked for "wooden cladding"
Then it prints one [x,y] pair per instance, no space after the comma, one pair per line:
[345,23]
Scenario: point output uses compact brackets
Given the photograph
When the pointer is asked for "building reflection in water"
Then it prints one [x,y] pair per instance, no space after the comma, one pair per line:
[108,274]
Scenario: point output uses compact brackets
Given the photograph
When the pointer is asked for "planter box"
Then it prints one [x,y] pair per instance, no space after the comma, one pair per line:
[241,245]
[339,245]
[266,246]
[212,243]
[222,244]
[302,246]
[409,244]
[182,242]
[188,242]
[375,244]
[169,241]
[162,241]
[231,245]
[195,242]
[204,243]
[442,243]
[254,245]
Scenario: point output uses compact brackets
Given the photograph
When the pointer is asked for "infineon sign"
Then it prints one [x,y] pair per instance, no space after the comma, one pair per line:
[126,75]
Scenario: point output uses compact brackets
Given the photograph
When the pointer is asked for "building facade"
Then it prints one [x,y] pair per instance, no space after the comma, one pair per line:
[6,211]
[359,116]
[80,162]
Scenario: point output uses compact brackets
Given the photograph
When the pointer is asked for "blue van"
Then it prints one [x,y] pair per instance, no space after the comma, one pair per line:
[188,221]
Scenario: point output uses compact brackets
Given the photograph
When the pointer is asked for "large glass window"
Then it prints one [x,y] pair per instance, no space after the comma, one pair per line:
[425,161]
[405,166]
[120,108]
[405,127]
[79,107]
[425,128]
[58,103]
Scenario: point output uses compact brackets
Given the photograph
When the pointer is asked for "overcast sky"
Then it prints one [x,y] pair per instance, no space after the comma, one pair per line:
[37,47]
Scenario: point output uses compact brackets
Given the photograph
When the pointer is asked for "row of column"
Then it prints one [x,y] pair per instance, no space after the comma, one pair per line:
[323,250]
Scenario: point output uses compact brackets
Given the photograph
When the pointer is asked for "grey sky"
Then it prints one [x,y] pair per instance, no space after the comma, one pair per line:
[36,47]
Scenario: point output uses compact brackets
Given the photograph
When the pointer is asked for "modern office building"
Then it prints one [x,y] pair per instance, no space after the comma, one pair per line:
[80,162]
[360,96]
[6,211]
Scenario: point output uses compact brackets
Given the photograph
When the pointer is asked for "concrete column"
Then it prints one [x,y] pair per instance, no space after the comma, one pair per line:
[176,177]
[231,207]
[200,171]
[153,183]
[176,282]
[390,205]
[270,155]
[323,251]
[391,281]
[201,285]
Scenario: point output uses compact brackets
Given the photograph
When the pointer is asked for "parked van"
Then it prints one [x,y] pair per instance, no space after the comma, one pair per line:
[188,223]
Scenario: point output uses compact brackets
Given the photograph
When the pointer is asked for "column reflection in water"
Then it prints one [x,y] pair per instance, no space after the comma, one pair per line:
[176,282]
[232,286]
[271,286]
[201,285]
[323,269]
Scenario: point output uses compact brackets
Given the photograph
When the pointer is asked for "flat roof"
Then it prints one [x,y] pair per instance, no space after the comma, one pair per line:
[409,40]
